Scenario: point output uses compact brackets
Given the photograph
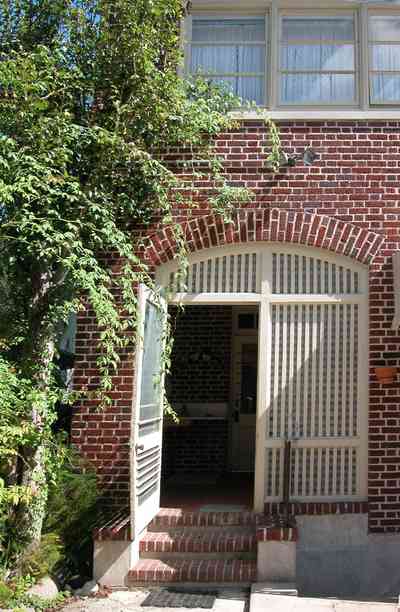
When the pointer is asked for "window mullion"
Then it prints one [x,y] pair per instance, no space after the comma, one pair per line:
[267,71]
[363,55]
[237,70]
[186,41]
[274,55]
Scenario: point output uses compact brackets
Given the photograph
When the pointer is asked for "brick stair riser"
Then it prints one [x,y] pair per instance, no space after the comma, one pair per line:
[198,548]
[186,529]
[192,586]
[208,571]
[205,542]
[247,556]
[205,519]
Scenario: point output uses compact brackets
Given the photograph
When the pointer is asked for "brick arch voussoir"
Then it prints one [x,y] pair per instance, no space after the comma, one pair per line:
[274,225]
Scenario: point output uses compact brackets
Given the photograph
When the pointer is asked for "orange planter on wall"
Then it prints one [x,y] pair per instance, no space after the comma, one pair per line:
[386,374]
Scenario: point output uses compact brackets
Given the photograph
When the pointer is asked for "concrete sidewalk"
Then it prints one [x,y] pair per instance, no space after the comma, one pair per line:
[261,600]
[131,601]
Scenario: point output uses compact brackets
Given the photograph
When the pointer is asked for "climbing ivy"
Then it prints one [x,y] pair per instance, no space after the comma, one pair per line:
[90,93]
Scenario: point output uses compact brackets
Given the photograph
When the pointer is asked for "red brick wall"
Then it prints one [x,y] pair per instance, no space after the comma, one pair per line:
[348,202]
[102,435]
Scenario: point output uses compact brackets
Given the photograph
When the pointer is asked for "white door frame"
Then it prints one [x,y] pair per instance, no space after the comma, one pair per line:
[265,297]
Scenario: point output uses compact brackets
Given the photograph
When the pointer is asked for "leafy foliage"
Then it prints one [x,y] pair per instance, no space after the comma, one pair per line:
[13,595]
[41,559]
[90,91]
[71,514]
[17,431]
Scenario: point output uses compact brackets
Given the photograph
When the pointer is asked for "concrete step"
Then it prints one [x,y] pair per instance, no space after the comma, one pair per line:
[168,518]
[210,571]
[200,543]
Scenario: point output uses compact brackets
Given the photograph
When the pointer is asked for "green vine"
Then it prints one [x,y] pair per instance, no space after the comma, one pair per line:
[90,95]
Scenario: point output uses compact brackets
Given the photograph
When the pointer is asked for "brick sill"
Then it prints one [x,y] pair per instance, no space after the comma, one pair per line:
[317,508]
[114,527]
[277,534]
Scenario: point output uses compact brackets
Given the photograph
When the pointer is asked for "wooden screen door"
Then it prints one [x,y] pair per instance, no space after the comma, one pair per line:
[148,410]
[245,361]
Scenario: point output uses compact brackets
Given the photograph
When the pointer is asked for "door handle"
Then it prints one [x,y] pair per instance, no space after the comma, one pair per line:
[139,447]
[236,416]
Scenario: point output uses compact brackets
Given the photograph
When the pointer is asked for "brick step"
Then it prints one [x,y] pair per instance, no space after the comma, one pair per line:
[222,529]
[210,571]
[204,541]
[176,517]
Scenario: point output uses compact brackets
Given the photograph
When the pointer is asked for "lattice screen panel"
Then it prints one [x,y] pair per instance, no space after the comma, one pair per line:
[228,274]
[314,371]
[302,274]
[316,472]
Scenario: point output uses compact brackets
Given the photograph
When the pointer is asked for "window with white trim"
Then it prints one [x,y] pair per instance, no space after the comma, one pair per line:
[317,60]
[384,44]
[231,51]
[305,58]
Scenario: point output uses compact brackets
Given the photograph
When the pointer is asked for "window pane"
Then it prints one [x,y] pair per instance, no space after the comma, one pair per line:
[314,88]
[228,30]
[385,88]
[317,28]
[324,50]
[228,82]
[250,89]
[240,65]
[150,391]
[385,28]
[317,57]
[251,59]
[217,59]
[386,57]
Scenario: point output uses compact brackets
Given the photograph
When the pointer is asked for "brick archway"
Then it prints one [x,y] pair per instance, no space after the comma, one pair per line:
[272,225]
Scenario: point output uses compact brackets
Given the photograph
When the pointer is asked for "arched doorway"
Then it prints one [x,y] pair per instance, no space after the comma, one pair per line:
[312,347]
[312,360]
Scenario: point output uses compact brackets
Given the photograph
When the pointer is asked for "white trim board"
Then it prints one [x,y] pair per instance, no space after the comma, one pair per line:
[328,114]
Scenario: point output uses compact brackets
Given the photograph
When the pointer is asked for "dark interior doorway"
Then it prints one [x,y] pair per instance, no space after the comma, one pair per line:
[198,469]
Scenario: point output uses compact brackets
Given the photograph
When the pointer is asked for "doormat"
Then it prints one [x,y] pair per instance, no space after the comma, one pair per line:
[193,479]
[222,508]
[171,599]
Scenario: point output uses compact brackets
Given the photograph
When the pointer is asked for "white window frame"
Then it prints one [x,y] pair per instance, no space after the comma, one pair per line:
[272,11]
[231,16]
[371,42]
[321,14]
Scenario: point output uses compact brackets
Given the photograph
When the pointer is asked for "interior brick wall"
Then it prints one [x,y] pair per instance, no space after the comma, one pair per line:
[201,356]
[197,447]
[200,372]
[348,202]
